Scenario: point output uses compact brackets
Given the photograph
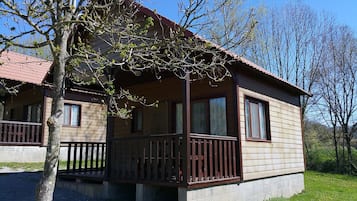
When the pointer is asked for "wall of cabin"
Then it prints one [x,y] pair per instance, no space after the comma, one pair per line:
[284,153]
[169,91]
[93,122]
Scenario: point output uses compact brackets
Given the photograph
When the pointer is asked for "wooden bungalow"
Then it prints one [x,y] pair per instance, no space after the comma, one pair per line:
[23,128]
[239,140]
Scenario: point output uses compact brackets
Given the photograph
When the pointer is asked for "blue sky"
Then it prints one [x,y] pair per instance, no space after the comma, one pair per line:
[345,11]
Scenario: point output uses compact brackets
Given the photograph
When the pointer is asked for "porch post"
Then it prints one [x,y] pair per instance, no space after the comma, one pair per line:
[108,141]
[236,126]
[186,128]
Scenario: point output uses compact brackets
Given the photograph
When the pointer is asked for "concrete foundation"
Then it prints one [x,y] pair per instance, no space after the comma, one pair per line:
[257,190]
[26,154]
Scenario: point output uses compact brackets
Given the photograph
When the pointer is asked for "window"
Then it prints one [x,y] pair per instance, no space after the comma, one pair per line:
[137,121]
[72,115]
[257,119]
[32,113]
[207,116]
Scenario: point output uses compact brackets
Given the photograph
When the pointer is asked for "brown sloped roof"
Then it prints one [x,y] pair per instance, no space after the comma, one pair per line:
[238,58]
[23,68]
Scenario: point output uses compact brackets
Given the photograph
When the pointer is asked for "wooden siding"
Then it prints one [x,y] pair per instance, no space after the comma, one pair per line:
[284,153]
[93,122]
[169,91]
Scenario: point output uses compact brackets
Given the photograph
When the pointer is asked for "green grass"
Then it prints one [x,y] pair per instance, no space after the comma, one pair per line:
[24,166]
[326,187]
[29,166]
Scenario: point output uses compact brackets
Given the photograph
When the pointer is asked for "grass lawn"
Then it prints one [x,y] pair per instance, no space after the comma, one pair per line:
[29,166]
[325,187]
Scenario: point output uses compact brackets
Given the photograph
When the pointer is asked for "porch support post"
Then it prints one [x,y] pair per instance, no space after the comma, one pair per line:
[236,126]
[186,128]
[108,140]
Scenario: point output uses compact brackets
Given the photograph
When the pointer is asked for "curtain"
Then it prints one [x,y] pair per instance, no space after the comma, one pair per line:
[199,117]
[218,121]
[75,115]
[179,123]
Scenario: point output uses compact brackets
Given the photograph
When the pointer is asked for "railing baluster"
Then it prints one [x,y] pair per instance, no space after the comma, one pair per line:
[200,160]
[74,157]
[86,157]
[234,158]
[215,160]
[80,156]
[205,156]
[69,156]
[102,157]
[91,156]
[210,159]
[97,158]
[229,159]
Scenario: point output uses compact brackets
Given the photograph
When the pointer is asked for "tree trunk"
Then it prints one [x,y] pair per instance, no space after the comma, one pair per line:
[349,154]
[46,186]
[336,149]
[343,155]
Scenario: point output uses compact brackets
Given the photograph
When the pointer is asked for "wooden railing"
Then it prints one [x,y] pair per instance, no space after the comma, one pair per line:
[212,158]
[20,133]
[84,157]
[155,158]
[159,159]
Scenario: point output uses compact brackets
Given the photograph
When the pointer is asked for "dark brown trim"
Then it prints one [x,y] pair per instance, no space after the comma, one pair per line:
[186,127]
[204,184]
[237,126]
[302,137]
[44,104]
[109,147]
[278,175]
[79,96]
[19,144]
[257,140]
[267,119]
[70,115]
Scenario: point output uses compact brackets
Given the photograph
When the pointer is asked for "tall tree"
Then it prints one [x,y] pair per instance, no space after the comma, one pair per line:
[288,42]
[91,40]
[338,82]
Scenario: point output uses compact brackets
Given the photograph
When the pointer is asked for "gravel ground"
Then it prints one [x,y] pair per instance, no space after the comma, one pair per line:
[20,186]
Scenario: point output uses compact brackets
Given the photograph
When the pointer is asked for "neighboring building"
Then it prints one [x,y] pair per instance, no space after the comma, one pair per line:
[23,128]
[241,140]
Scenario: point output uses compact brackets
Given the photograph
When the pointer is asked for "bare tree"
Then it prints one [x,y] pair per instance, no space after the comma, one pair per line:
[89,40]
[338,83]
[234,25]
[288,42]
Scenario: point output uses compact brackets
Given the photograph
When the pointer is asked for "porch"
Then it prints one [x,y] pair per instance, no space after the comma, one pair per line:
[156,160]
[20,133]
[161,160]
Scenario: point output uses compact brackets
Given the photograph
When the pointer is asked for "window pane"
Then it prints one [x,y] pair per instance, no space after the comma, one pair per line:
[179,118]
[262,121]
[139,120]
[66,117]
[75,115]
[199,117]
[254,112]
[247,119]
[218,123]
